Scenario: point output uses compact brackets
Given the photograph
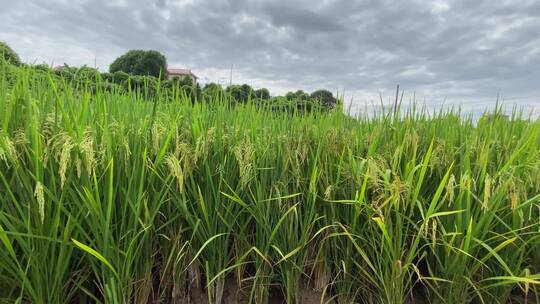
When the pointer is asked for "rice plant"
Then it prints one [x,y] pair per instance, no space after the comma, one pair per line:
[118,197]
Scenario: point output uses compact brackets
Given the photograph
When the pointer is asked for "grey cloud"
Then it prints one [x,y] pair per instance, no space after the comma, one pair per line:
[456,50]
[301,19]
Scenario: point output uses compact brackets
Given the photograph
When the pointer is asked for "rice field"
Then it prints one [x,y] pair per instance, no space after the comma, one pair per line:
[110,197]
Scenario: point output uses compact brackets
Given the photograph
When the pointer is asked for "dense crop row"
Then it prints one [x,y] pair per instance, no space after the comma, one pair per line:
[106,197]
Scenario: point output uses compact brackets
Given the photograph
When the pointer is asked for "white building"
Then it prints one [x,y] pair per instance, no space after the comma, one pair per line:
[180,73]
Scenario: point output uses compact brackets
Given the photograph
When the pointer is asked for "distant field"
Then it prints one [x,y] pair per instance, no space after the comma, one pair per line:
[107,197]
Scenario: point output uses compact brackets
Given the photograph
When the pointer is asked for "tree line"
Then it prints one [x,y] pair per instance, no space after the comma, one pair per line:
[145,72]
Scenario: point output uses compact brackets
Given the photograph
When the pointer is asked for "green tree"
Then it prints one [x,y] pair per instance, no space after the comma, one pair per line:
[67,72]
[324,98]
[212,88]
[140,62]
[212,91]
[88,73]
[9,55]
[145,85]
[240,93]
[262,93]
[298,96]
[182,81]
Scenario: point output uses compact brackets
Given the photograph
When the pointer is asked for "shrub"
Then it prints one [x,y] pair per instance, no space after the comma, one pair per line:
[120,77]
[107,77]
[9,55]
[42,67]
[88,73]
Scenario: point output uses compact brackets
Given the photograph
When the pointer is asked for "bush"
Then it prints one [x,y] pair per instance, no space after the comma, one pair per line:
[66,72]
[108,77]
[146,85]
[120,77]
[9,55]
[88,73]
[180,82]
[42,67]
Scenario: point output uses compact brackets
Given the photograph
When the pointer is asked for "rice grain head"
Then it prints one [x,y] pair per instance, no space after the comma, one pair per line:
[487,193]
[40,197]
[87,148]
[78,166]
[65,158]
[514,196]
[20,138]
[328,192]
[8,153]
[244,153]
[176,170]
[450,189]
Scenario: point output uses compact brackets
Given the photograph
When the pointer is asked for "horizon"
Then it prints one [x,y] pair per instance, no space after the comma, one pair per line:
[441,52]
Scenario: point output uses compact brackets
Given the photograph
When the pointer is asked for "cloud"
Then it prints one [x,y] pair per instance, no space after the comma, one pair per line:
[459,51]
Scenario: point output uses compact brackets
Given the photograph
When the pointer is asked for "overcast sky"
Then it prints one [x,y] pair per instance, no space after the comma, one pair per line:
[452,52]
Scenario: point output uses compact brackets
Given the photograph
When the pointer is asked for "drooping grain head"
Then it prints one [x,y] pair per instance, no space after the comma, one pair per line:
[176,171]
[40,197]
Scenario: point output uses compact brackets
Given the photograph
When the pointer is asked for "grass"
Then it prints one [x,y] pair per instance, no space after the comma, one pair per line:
[107,197]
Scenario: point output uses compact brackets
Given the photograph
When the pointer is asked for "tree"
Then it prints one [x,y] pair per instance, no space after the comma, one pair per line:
[120,77]
[262,93]
[67,72]
[212,92]
[140,62]
[181,81]
[241,93]
[324,98]
[299,95]
[86,72]
[9,55]
[145,85]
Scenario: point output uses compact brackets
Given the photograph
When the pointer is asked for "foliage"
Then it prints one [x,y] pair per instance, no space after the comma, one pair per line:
[142,63]
[262,93]
[298,95]
[67,72]
[108,197]
[241,93]
[324,97]
[212,90]
[146,85]
[89,73]
[42,67]
[7,54]
[120,77]
[181,81]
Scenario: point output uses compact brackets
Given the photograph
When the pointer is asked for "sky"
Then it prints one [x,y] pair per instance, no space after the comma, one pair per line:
[441,53]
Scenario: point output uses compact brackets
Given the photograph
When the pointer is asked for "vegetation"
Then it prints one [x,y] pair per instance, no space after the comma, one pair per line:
[7,54]
[140,62]
[324,97]
[140,71]
[109,196]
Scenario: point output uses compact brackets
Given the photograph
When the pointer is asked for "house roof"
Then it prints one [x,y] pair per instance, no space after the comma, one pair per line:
[181,72]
